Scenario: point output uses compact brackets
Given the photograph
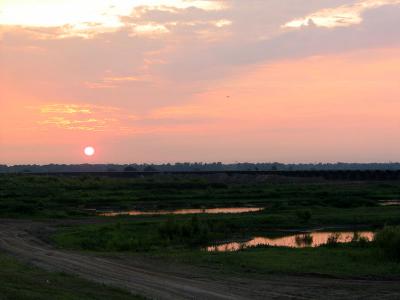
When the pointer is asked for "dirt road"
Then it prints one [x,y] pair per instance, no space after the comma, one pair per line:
[160,280]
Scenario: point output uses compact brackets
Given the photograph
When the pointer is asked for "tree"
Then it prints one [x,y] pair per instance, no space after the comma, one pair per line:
[130,169]
[304,215]
[149,169]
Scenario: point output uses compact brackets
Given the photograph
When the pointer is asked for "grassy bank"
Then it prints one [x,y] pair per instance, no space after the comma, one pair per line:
[342,260]
[58,196]
[22,282]
[354,259]
[156,233]
[182,240]
[290,204]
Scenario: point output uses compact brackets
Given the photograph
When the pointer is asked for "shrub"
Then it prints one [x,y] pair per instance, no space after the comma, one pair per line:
[304,215]
[359,240]
[279,205]
[333,239]
[388,240]
[304,239]
[356,237]
[191,233]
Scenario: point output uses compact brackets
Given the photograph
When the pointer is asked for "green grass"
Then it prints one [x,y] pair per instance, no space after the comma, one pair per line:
[144,236]
[363,259]
[342,260]
[157,233]
[296,204]
[22,282]
[388,240]
[58,196]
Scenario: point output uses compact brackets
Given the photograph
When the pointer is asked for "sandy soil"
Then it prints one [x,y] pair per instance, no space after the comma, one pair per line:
[161,280]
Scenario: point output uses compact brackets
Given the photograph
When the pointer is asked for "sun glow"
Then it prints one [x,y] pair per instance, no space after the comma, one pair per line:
[89,151]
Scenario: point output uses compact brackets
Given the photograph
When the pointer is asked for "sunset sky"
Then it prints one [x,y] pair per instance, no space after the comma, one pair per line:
[199,80]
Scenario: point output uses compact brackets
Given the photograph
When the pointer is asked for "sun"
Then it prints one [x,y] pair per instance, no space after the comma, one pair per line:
[89,151]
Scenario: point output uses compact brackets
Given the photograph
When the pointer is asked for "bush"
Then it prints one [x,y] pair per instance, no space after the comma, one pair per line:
[304,215]
[359,240]
[304,240]
[333,239]
[388,240]
[190,233]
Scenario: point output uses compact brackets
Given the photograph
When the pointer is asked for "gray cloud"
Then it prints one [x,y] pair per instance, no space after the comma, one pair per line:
[380,28]
[183,62]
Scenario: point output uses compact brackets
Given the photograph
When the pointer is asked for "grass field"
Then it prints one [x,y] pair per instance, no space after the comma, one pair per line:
[342,260]
[290,204]
[21,282]
[184,231]
[58,196]
[183,239]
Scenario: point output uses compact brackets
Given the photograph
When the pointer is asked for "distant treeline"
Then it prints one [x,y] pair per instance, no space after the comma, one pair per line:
[185,167]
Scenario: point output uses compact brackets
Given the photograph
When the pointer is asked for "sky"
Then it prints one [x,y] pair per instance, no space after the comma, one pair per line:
[199,80]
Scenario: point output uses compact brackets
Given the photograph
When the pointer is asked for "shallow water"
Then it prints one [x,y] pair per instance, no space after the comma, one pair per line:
[390,202]
[310,239]
[222,210]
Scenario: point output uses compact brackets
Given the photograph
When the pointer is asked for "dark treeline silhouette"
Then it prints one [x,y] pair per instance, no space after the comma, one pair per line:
[188,167]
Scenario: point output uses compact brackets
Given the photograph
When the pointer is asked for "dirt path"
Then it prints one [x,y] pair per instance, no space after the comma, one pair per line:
[163,281]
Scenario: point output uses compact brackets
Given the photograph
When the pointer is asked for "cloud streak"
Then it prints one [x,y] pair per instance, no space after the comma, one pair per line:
[342,16]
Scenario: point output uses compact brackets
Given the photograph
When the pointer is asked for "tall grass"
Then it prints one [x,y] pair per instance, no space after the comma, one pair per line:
[193,232]
[333,239]
[304,239]
[30,195]
[388,241]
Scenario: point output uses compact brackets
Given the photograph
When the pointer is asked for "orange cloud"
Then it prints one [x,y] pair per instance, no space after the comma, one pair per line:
[74,116]
[91,124]
[66,109]
[110,82]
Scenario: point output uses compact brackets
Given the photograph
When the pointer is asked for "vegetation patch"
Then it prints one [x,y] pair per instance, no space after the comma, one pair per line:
[388,241]
[23,282]
[69,196]
[345,260]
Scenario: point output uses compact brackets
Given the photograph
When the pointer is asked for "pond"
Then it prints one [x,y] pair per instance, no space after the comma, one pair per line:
[221,210]
[389,202]
[301,240]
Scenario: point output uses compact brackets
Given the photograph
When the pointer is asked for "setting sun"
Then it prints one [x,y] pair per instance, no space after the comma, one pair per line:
[89,151]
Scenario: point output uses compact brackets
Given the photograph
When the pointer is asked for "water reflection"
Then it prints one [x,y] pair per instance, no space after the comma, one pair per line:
[222,210]
[304,240]
[390,202]
[311,239]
